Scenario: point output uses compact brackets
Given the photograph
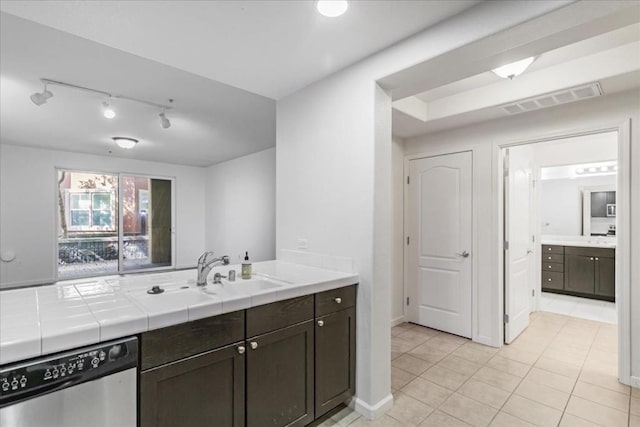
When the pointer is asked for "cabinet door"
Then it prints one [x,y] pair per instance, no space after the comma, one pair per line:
[335,359]
[579,274]
[280,381]
[605,277]
[599,204]
[204,390]
[611,197]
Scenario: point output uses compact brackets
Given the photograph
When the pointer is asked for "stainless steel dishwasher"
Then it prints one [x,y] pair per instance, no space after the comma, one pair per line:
[90,386]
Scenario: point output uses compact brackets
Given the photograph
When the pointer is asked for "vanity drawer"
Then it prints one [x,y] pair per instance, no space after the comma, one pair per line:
[552,249]
[278,315]
[552,257]
[591,251]
[553,266]
[335,300]
[552,280]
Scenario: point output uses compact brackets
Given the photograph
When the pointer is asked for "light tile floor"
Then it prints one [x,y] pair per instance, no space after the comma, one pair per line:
[560,372]
[584,308]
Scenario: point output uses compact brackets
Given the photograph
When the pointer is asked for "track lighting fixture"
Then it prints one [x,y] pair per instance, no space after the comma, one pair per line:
[107,111]
[125,142]
[40,98]
[164,121]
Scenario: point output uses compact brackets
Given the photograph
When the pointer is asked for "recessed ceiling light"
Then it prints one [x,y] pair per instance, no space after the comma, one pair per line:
[125,142]
[514,69]
[332,8]
[580,170]
[592,169]
[604,168]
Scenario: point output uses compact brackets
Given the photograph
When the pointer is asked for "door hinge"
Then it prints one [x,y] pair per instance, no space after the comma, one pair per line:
[533,183]
[506,318]
[506,245]
[407,240]
[407,300]
[533,239]
[533,292]
[407,179]
[506,173]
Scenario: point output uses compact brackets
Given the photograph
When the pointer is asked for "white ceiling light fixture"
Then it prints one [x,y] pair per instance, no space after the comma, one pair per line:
[40,98]
[107,111]
[514,69]
[332,8]
[125,142]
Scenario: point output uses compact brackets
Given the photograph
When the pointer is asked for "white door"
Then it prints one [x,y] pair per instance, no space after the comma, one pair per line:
[519,235]
[439,249]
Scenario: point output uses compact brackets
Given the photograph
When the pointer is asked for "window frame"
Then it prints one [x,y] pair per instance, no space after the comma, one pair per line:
[120,223]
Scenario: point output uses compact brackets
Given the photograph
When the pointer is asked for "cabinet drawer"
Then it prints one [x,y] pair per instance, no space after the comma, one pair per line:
[552,249]
[277,315]
[553,266]
[552,280]
[187,339]
[335,300]
[590,252]
[552,257]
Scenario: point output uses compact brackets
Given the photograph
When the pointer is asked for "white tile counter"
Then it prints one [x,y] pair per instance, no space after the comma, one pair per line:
[42,320]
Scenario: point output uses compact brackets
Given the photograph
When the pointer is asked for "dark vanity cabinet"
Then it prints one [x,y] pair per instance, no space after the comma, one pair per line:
[281,364]
[581,271]
[335,348]
[193,374]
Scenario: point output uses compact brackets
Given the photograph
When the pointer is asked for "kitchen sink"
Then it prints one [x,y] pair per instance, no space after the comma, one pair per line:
[176,294]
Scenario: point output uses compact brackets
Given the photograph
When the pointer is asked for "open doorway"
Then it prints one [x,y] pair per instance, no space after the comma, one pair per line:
[563,260]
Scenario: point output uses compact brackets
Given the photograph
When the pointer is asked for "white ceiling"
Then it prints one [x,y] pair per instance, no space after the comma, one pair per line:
[611,58]
[211,122]
[272,48]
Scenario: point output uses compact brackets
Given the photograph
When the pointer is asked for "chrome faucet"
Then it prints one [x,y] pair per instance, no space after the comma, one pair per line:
[206,263]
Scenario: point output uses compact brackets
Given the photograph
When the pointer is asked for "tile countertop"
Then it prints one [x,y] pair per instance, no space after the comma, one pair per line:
[47,319]
[582,241]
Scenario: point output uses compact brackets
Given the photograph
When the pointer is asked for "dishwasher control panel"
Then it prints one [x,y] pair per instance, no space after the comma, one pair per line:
[64,369]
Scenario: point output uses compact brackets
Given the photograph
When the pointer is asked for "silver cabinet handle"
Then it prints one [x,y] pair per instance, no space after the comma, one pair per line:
[597,259]
[464,254]
[549,266]
[591,258]
[338,300]
[548,280]
[549,258]
[253,345]
[321,323]
[241,349]
[548,249]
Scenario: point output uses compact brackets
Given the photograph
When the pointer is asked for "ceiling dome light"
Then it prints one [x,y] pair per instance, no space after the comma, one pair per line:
[604,168]
[40,98]
[514,69]
[592,169]
[580,170]
[332,8]
[107,111]
[164,121]
[125,142]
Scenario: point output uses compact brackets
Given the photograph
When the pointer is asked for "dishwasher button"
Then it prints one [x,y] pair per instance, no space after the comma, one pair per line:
[47,375]
[5,386]
[94,362]
[14,384]
[55,373]
[23,381]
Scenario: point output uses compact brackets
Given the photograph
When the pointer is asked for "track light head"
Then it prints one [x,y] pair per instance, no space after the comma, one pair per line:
[107,111]
[40,98]
[164,121]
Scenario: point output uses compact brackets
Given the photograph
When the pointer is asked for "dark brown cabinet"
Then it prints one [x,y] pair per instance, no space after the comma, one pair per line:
[605,276]
[280,377]
[580,274]
[335,359]
[205,390]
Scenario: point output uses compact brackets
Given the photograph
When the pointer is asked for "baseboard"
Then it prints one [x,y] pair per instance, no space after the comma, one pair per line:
[635,382]
[397,321]
[371,412]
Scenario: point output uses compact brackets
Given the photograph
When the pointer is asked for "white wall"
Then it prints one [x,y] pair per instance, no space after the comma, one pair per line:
[561,203]
[28,207]
[397,277]
[596,113]
[240,207]
[333,180]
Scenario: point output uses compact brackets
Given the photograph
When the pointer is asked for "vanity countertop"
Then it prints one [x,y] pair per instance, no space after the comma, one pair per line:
[41,320]
[581,241]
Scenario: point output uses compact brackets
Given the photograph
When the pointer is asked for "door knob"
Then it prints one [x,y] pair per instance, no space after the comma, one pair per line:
[338,300]
[320,323]
[253,345]
[241,349]
[464,254]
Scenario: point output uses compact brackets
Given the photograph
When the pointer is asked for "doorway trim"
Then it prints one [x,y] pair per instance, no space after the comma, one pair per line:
[434,152]
[623,229]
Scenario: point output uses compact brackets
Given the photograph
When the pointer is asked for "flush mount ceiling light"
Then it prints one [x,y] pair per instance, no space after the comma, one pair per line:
[332,8]
[514,69]
[40,98]
[107,111]
[125,142]
[164,121]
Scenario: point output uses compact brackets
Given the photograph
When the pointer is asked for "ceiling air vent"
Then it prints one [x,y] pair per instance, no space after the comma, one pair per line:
[564,96]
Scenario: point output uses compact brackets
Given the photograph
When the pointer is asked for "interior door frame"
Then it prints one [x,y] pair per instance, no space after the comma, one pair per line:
[436,152]
[623,228]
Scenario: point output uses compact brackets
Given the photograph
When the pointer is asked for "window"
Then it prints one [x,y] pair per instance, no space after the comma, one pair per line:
[93,240]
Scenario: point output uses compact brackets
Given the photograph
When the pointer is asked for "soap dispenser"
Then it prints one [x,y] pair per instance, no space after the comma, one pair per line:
[246,267]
